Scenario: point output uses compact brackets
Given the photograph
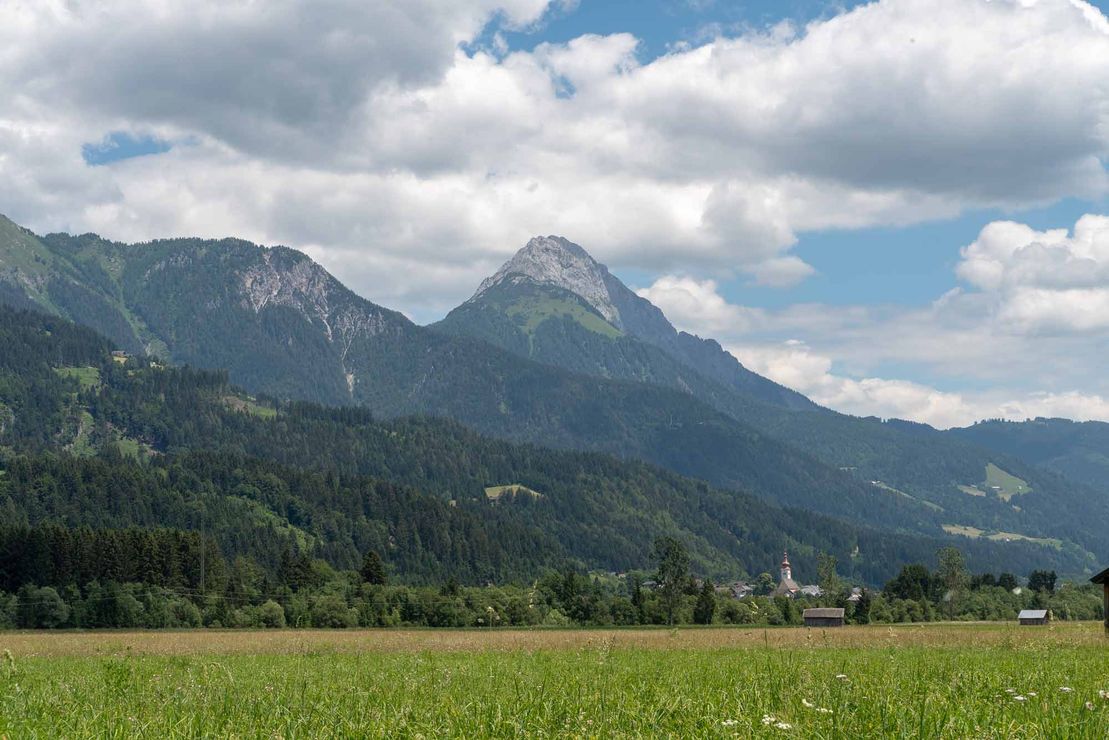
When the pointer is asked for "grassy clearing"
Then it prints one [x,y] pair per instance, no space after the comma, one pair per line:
[250,406]
[1004,484]
[495,492]
[891,489]
[911,681]
[533,312]
[86,377]
[975,533]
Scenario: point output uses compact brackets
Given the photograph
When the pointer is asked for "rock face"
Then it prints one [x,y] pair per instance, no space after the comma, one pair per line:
[553,260]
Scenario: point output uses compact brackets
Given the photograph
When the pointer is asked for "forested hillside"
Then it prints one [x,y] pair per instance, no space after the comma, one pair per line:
[1077,450]
[100,443]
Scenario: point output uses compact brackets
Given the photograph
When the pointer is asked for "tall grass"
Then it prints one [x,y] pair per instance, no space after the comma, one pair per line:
[597,685]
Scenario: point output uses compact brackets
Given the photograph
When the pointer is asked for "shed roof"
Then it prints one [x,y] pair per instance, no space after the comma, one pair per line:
[1102,577]
[1032,614]
[824,613]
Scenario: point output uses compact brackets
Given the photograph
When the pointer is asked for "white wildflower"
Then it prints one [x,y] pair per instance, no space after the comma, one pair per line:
[1018,697]
[823,710]
[808,703]
[768,720]
[783,725]
[730,722]
[1089,705]
[1010,691]
[841,676]
[1103,694]
[1031,693]
[1066,689]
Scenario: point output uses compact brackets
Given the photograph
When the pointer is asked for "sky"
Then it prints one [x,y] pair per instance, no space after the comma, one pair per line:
[899,208]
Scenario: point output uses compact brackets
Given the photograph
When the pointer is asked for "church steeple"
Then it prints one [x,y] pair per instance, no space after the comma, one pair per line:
[786,586]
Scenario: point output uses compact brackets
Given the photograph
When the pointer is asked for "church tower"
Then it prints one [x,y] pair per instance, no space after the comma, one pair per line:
[787,586]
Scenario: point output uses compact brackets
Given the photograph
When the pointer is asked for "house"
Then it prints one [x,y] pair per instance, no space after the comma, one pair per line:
[1103,579]
[786,586]
[812,590]
[824,617]
[1034,616]
[737,590]
[856,595]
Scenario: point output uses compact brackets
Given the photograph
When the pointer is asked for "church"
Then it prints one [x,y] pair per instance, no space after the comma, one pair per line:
[786,586]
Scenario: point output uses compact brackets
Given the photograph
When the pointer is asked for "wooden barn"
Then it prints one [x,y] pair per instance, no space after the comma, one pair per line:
[824,617]
[1034,616]
[1102,578]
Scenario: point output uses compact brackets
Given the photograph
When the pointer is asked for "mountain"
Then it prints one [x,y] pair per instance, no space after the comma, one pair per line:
[90,441]
[282,326]
[600,371]
[1077,450]
[571,276]
[555,304]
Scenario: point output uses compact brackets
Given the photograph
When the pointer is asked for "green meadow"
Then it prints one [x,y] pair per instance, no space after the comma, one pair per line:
[935,681]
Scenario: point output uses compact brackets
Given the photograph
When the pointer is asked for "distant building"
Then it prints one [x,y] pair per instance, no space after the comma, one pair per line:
[119,356]
[737,590]
[786,586]
[856,595]
[1102,578]
[1034,616]
[824,617]
[812,590]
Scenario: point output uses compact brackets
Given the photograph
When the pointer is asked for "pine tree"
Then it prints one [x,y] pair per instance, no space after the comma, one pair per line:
[373,569]
[706,603]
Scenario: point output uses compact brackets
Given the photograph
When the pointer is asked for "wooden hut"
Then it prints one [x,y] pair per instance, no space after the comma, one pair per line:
[1033,616]
[1103,579]
[824,617]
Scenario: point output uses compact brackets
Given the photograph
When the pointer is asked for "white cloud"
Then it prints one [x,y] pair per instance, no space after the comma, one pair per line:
[696,306]
[797,366]
[1043,282]
[363,131]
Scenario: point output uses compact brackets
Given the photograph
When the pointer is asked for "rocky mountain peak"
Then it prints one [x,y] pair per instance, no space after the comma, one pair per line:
[553,260]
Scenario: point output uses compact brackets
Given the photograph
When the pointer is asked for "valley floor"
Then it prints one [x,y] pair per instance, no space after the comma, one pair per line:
[937,680]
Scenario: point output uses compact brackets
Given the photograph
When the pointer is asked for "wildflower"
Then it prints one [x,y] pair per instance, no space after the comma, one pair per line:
[783,725]
[1103,694]
[841,676]
[807,703]
[768,720]
[823,710]
[1066,689]
[730,722]
[1010,691]
[1090,705]
[1031,693]
[1018,697]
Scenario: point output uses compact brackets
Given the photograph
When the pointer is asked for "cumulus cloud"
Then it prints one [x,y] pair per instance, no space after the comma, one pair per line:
[375,132]
[795,365]
[697,306]
[1043,281]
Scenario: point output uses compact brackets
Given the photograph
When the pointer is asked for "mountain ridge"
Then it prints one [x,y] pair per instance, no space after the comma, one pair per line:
[282,326]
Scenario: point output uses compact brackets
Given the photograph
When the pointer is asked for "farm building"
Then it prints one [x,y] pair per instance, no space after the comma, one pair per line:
[1103,579]
[824,617]
[1034,616]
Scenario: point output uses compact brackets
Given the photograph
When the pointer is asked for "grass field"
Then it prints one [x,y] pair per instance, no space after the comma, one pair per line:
[958,681]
